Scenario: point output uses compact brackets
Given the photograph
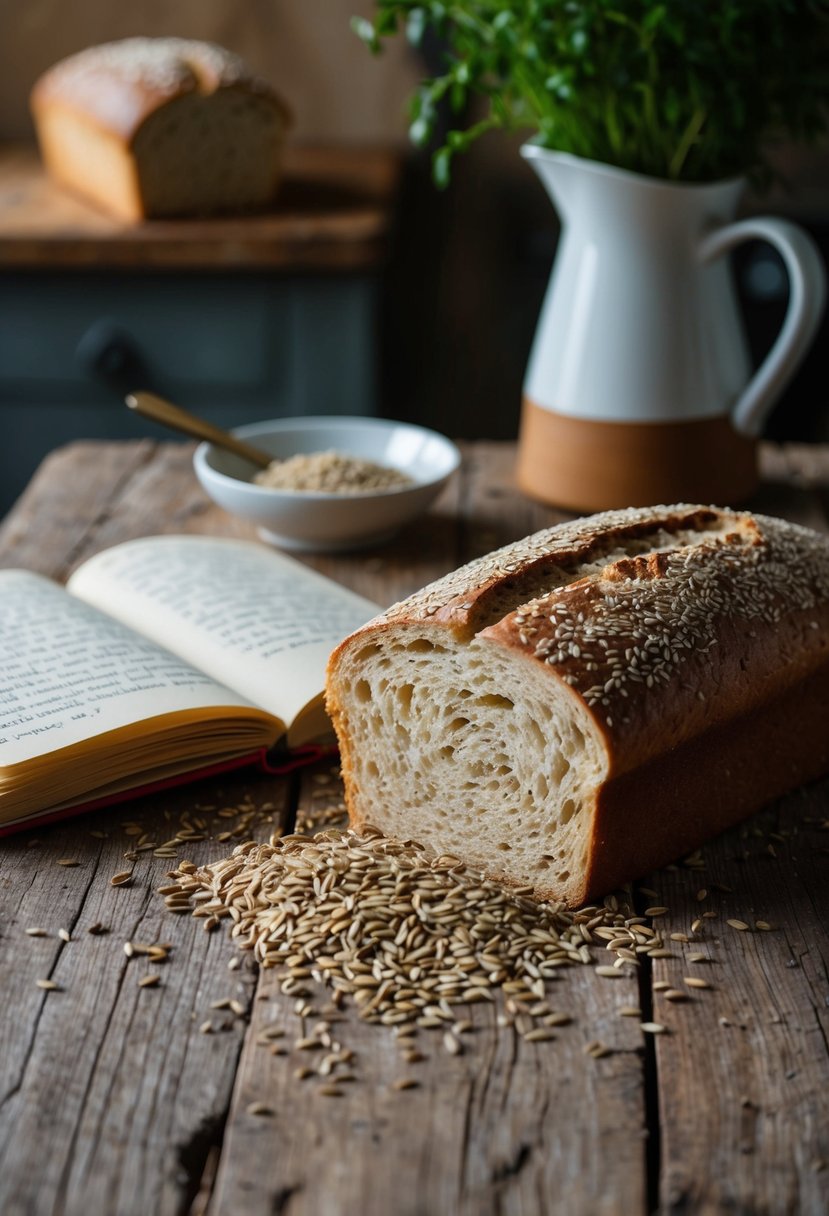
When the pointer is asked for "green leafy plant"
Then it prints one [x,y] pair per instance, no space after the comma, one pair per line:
[689,90]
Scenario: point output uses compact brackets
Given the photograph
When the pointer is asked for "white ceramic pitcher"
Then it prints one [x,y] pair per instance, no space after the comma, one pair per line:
[639,386]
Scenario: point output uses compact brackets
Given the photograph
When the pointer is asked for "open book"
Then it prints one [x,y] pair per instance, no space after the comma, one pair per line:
[162,656]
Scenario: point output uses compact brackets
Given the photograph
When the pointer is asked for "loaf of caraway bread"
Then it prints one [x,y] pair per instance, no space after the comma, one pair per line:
[149,127]
[595,701]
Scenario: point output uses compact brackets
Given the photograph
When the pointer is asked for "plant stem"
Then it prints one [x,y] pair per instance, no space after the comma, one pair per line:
[689,138]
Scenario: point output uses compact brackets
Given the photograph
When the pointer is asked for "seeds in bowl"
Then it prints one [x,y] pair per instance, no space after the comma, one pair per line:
[331,472]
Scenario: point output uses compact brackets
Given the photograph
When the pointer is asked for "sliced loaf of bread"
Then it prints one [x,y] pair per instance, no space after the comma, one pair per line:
[594,701]
[150,127]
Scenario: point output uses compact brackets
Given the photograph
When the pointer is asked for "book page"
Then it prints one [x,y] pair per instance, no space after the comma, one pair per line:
[69,673]
[250,617]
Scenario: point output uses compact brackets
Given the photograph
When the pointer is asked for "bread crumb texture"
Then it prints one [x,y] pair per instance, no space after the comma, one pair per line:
[152,127]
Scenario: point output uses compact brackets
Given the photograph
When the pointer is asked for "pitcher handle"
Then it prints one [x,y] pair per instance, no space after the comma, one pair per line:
[807,295]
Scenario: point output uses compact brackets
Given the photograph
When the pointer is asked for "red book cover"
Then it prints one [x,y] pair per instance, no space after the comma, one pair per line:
[275,762]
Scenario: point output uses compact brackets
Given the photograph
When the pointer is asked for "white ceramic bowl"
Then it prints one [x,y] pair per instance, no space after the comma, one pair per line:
[316,522]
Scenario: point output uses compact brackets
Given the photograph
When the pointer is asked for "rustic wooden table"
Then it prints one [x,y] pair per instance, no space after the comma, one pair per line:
[113,1101]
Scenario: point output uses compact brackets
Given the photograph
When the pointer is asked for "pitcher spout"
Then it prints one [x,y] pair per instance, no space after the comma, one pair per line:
[557,174]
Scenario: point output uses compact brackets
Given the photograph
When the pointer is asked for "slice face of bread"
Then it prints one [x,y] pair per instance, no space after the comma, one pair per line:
[205,154]
[589,703]
[459,746]
[151,127]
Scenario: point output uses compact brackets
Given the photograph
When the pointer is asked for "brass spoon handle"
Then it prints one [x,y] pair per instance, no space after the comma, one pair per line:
[159,410]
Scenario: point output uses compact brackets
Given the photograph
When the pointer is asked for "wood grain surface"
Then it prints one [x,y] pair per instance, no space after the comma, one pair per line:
[332,214]
[120,1099]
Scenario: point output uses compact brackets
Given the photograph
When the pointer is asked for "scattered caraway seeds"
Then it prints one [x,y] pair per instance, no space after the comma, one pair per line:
[737,924]
[68,861]
[694,982]
[763,925]
[149,981]
[64,936]
[331,1091]
[326,911]
[48,985]
[36,931]
[121,880]
[452,1044]
[556,1019]
[596,1049]
[259,1108]
[406,1083]
[206,1027]
[151,948]
[356,919]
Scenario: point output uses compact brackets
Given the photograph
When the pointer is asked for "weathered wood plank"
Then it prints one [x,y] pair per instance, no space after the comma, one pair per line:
[495,511]
[71,493]
[744,1076]
[742,1102]
[509,1127]
[162,496]
[110,1096]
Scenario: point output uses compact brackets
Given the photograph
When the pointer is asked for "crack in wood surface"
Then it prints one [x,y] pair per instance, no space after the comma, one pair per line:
[27,1050]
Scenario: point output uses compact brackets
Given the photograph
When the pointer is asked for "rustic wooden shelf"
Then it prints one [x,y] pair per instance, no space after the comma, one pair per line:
[332,213]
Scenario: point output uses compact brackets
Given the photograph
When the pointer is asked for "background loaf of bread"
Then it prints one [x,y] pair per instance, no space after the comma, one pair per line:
[594,701]
[160,127]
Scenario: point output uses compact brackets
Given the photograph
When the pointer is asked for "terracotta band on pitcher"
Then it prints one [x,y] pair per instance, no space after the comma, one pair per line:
[586,465]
